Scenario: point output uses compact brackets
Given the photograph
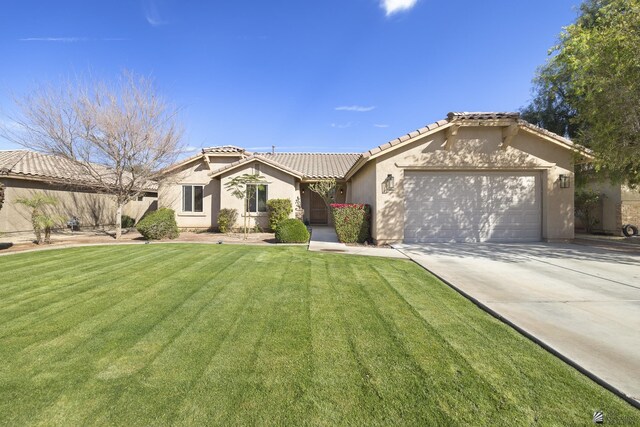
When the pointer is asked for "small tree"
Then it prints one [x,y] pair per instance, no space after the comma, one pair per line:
[238,187]
[119,135]
[326,189]
[1,195]
[40,219]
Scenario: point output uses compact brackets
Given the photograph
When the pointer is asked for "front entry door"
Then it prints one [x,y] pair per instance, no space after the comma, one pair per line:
[318,214]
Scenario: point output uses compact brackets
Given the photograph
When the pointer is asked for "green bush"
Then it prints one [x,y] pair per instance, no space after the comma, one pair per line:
[226,219]
[127,222]
[279,210]
[159,225]
[292,231]
[351,222]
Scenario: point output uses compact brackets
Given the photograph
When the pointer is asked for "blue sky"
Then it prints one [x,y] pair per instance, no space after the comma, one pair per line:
[332,75]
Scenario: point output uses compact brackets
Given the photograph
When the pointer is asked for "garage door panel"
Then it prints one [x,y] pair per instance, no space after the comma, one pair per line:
[471,207]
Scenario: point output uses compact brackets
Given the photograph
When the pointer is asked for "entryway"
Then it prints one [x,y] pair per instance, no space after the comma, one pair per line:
[318,213]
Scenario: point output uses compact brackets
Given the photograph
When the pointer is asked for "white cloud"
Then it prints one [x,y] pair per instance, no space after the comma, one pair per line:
[394,6]
[55,39]
[341,126]
[71,39]
[357,108]
[380,126]
[152,14]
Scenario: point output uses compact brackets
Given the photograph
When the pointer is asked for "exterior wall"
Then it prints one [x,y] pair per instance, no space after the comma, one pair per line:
[474,148]
[630,207]
[341,197]
[280,185]
[170,195]
[362,189]
[93,209]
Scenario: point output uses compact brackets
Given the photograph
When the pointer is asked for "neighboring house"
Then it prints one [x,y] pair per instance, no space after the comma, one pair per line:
[619,206]
[473,177]
[25,173]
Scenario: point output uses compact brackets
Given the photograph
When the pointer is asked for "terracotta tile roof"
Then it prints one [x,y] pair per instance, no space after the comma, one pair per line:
[224,149]
[48,168]
[482,115]
[316,165]
[252,158]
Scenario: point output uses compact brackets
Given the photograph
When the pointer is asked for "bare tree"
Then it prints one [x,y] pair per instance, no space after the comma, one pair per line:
[119,134]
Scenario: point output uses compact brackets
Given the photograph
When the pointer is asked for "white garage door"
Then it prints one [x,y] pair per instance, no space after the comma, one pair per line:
[472,207]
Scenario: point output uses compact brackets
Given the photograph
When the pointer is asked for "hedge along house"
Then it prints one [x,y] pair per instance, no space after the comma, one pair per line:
[195,187]
[473,177]
[26,173]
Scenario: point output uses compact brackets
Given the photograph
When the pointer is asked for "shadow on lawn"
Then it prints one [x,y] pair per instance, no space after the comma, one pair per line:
[518,252]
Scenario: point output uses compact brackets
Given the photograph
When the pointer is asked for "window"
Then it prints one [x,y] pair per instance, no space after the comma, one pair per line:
[192,198]
[257,198]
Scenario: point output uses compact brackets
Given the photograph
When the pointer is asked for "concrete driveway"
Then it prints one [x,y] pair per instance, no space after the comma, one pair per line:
[582,301]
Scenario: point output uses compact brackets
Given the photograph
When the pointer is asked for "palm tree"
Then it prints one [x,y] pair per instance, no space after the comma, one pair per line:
[40,220]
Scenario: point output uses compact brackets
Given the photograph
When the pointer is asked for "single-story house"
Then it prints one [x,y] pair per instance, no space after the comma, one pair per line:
[472,177]
[25,173]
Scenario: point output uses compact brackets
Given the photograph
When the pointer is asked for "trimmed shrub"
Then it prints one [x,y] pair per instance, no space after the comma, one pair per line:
[127,222]
[279,210]
[292,231]
[226,219]
[351,222]
[158,225]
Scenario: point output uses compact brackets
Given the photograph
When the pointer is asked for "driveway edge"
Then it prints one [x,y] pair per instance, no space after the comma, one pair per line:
[633,402]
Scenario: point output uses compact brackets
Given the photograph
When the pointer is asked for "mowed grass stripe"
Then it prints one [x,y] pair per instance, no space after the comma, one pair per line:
[337,391]
[113,267]
[389,370]
[214,398]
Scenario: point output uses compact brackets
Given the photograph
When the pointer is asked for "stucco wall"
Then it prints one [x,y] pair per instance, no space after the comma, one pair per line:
[362,189]
[93,210]
[474,147]
[280,185]
[196,173]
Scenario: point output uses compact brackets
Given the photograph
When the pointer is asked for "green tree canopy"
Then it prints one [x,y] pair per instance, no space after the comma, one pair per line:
[590,87]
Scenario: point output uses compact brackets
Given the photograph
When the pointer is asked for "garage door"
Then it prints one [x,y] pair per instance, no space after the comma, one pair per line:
[472,207]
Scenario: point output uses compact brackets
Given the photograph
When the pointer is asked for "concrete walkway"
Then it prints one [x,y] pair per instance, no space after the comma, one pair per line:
[583,302]
[324,239]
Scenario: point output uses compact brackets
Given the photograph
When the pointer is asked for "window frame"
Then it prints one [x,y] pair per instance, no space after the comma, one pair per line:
[193,199]
[256,198]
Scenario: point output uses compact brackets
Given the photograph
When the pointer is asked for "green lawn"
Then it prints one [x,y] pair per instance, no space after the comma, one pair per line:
[226,334]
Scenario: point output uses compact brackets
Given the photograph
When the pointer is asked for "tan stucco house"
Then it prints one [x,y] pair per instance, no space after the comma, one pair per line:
[25,173]
[472,177]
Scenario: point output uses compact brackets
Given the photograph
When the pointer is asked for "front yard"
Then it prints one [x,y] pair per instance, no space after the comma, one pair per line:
[191,334]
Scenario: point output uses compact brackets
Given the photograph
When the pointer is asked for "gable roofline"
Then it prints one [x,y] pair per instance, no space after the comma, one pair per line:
[222,150]
[257,158]
[467,119]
